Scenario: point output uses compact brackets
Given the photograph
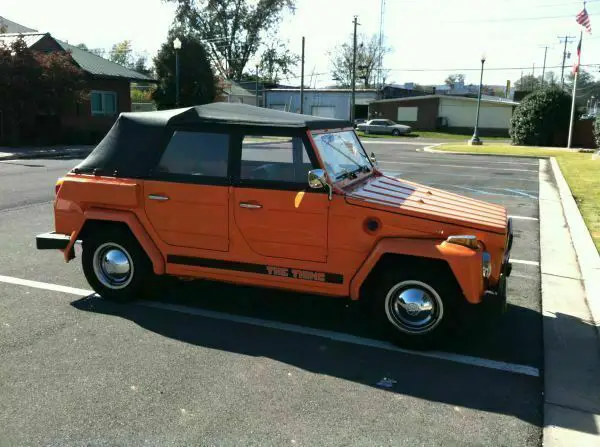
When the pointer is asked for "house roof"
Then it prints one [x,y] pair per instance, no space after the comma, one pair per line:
[98,66]
[497,100]
[88,62]
[234,89]
[14,27]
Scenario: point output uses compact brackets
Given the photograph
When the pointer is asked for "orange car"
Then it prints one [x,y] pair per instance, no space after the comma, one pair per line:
[247,195]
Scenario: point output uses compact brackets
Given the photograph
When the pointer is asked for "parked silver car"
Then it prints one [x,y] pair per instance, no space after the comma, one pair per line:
[384,127]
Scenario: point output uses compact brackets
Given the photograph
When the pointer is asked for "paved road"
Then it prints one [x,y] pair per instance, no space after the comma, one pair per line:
[76,369]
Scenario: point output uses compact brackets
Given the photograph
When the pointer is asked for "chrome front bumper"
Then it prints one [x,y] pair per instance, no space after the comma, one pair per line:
[495,299]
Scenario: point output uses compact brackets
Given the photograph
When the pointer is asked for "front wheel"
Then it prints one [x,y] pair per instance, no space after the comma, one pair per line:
[115,265]
[414,308]
[396,132]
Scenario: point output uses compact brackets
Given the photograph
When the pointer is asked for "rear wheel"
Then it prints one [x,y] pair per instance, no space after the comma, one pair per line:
[115,265]
[414,307]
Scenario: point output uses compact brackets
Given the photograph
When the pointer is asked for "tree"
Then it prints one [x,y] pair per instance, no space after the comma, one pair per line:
[121,53]
[542,118]
[197,81]
[96,51]
[368,53]
[454,79]
[35,83]
[276,60]
[528,83]
[231,29]
[141,65]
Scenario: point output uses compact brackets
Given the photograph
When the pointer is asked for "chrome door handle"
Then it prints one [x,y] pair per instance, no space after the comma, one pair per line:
[252,206]
[158,197]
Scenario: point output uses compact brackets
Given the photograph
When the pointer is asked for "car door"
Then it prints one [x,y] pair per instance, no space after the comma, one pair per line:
[276,212]
[378,126]
[186,199]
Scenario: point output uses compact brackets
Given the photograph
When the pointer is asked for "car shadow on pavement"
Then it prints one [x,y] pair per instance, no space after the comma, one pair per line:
[431,379]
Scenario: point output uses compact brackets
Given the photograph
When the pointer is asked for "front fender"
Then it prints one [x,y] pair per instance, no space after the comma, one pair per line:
[465,263]
[128,218]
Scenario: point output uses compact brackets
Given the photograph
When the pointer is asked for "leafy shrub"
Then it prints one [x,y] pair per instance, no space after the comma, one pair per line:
[542,119]
[597,130]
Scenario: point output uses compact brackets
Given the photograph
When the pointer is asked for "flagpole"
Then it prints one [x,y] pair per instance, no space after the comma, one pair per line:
[571,122]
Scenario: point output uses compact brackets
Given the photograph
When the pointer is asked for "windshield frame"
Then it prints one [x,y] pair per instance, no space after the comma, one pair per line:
[348,179]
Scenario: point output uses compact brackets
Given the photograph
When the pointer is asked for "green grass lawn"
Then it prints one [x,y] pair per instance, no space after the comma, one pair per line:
[580,170]
[428,134]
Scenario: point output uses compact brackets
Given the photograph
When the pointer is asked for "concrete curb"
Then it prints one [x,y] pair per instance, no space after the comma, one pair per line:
[42,154]
[587,255]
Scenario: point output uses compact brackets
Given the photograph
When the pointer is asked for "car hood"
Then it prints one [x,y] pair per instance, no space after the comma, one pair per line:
[415,200]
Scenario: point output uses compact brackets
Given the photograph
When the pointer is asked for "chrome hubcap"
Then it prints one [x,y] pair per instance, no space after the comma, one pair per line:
[113,266]
[414,307]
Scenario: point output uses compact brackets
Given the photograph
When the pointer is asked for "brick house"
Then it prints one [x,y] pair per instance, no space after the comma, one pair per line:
[107,88]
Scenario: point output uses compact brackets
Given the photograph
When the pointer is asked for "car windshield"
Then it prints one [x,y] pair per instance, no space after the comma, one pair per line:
[342,154]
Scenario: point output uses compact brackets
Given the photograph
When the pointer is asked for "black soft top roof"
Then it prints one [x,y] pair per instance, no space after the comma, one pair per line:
[134,144]
[234,113]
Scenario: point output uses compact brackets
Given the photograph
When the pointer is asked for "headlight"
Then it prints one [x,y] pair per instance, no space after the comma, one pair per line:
[486,264]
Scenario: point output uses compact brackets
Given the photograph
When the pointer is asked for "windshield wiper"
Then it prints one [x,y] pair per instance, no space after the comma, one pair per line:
[345,174]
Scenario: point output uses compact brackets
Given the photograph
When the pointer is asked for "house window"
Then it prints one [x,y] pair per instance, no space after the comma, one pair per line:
[104,103]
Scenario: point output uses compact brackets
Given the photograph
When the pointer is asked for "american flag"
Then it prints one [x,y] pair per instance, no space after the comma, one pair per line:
[576,65]
[584,20]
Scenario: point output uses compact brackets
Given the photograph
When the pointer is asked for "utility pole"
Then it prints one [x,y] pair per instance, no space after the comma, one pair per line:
[302,79]
[380,61]
[352,103]
[544,67]
[567,39]
[257,85]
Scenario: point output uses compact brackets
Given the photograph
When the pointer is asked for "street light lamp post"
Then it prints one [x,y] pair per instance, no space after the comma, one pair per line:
[475,141]
[177,47]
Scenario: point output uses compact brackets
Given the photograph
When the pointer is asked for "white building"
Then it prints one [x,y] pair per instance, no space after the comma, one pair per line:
[329,103]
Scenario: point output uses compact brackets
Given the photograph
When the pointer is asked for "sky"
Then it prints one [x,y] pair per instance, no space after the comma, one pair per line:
[429,39]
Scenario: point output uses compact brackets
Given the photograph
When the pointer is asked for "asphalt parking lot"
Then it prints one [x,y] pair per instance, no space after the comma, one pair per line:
[216,364]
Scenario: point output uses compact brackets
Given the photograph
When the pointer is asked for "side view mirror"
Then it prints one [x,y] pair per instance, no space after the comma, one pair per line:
[373,159]
[317,179]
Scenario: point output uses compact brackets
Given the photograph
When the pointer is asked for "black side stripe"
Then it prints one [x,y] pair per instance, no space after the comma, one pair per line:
[262,269]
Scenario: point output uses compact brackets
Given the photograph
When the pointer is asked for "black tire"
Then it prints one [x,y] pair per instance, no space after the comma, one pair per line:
[396,132]
[404,324]
[119,244]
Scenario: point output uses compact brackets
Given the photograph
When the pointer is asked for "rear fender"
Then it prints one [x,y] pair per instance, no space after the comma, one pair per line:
[465,263]
[128,218]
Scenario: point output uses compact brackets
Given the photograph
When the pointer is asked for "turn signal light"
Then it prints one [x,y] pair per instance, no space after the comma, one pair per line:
[57,186]
[464,240]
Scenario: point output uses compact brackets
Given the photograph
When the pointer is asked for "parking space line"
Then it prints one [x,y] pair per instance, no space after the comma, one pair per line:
[520,261]
[336,336]
[459,166]
[448,158]
[44,286]
[487,177]
[521,193]
[523,218]
[347,338]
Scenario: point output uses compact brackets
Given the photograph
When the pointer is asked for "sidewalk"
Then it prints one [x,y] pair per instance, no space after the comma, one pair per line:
[570,298]
[16,153]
